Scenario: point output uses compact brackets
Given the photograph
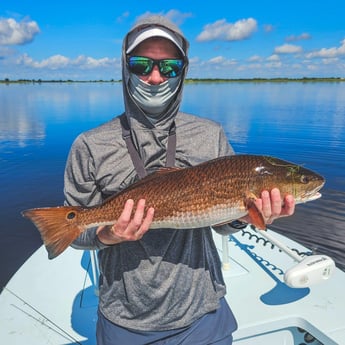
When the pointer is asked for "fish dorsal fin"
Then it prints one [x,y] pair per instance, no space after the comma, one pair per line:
[159,172]
[166,170]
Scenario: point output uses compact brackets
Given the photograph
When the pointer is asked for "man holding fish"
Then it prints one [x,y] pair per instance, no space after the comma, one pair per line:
[164,285]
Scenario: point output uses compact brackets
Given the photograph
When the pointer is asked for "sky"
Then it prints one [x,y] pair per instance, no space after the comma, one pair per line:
[81,40]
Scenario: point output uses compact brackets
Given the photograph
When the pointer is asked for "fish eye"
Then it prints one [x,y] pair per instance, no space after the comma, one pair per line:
[304,179]
[70,215]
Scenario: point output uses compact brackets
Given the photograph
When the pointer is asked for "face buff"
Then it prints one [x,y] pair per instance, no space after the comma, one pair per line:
[153,99]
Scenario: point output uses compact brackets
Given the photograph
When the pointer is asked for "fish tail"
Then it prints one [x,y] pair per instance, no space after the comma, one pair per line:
[58,226]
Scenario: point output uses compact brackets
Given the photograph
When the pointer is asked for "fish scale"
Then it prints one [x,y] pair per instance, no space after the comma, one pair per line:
[211,193]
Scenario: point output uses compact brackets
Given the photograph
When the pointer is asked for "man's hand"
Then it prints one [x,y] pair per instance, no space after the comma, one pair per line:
[127,228]
[272,206]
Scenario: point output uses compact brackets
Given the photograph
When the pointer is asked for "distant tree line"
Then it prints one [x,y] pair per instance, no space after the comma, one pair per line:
[188,80]
[258,80]
[38,81]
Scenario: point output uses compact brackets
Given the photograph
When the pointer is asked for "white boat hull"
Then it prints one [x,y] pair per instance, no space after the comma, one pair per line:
[55,302]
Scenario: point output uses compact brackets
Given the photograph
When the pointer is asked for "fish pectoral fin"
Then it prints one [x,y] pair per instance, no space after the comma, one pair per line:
[256,217]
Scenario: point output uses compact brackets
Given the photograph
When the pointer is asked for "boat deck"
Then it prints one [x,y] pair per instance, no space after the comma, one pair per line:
[270,312]
[55,302]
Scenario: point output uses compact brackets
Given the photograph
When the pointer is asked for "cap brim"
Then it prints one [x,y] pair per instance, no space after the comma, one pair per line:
[153,32]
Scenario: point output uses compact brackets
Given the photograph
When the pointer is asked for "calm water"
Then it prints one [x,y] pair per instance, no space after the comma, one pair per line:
[304,123]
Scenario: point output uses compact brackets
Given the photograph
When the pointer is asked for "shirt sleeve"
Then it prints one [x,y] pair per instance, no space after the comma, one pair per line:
[225,149]
[80,188]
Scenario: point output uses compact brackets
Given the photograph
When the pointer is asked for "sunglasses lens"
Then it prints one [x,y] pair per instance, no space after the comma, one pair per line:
[141,65]
[171,67]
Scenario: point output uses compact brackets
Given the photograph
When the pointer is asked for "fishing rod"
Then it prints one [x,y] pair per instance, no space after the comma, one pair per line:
[59,329]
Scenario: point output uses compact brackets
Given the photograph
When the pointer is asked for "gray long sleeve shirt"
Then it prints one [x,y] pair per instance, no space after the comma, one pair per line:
[170,277]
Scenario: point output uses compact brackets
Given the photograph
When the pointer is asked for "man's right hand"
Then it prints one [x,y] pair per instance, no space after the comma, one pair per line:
[127,228]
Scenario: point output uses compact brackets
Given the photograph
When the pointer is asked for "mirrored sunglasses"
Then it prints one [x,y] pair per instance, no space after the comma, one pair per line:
[141,65]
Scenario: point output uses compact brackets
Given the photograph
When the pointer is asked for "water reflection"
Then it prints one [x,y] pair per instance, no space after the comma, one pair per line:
[21,131]
[303,123]
[27,110]
[17,121]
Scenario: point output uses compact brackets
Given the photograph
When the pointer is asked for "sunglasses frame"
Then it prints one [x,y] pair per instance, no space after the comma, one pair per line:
[156,62]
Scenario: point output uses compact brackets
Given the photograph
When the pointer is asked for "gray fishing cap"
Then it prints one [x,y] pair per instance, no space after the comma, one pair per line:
[156,26]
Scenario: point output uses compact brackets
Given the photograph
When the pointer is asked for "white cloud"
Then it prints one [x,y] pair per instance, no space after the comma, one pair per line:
[274,64]
[268,28]
[53,62]
[6,52]
[177,16]
[61,62]
[273,57]
[217,60]
[174,15]
[194,59]
[13,32]
[255,58]
[312,67]
[330,61]
[123,17]
[303,36]
[221,30]
[296,66]
[221,61]
[86,62]
[328,52]
[251,66]
[287,49]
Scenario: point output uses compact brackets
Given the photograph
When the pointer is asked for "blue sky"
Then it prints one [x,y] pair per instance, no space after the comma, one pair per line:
[82,40]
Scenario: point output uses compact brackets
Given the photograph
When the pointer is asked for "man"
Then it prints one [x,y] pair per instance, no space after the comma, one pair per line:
[163,286]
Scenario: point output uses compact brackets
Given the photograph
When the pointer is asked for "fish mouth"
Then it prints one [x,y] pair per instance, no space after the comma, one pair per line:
[312,196]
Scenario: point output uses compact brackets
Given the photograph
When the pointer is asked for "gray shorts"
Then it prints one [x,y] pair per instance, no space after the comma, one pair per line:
[213,328]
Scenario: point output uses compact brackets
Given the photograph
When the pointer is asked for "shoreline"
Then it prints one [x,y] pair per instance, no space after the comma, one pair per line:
[188,80]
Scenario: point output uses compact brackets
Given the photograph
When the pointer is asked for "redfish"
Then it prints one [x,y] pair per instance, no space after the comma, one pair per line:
[211,193]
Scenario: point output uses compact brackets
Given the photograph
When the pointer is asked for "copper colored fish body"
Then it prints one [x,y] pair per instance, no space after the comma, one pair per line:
[211,193]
